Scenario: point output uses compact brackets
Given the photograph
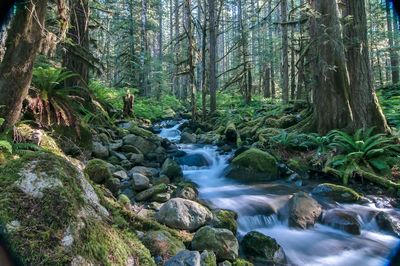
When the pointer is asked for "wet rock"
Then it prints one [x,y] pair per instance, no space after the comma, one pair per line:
[185,192]
[225,263]
[188,138]
[146,171]
[97,170]
[208,258]
[162,179]
[116,145]
[99,150]
[231,134]
[137,158]
[263,249]
[388,223]
[221,241]
[113,184]
[125,164]
[122,175]
[303,211]
[225,219]
[171,169]
[196,159]
[162,243]
[253,164]
[119,155]
[144,145]
[337,193]
[140,182]
[149,193]
[130,148]
[183,214]
[162,197]
[185,258]
[342,220]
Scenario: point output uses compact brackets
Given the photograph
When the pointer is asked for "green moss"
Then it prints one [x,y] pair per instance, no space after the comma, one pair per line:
[257,160]
[208,258]
[43,221]
[97,170]
[257,245]
[226,219]
[242,262]
[108,246]
[124,200]
[298,165]
[162,243]
[336,192]
[138,131]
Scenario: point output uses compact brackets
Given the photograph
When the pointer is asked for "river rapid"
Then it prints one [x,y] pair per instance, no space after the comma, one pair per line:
[263,207]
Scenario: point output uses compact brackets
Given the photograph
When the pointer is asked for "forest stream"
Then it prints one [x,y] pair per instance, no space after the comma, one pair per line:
[263,207]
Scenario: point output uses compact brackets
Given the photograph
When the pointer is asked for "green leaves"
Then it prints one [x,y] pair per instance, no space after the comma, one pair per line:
[6,146]
[361,152]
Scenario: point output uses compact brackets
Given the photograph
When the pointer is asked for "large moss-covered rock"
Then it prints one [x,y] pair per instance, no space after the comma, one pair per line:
[225,219]
[303,211]
[171,169]
[262,249]
[221,241]
[50,194]
[253,164]
[337,193]
[98,171]
[183,214]
[231,134]
[162,243]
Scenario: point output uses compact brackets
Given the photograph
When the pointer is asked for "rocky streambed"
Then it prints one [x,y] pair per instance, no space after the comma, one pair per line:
[284,221]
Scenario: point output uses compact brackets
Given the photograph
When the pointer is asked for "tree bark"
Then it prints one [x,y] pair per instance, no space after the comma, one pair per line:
[78,33]
[394,57]
[364,103]
[23,42]
[331,91]
[212,44]
[285,51]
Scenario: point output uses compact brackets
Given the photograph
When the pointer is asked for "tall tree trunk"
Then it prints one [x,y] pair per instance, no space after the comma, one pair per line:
[271,52]
[300,67]
[394,57]
[331,91]
[267,82]
[203,65]
[191,60]
[212,79]
[292,59]
[143,77]
[366,110]
[285,52]
[23,42]
[176,78]
[78,33]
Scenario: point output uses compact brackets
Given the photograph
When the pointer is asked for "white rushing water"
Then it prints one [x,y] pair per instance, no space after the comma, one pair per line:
[263,207]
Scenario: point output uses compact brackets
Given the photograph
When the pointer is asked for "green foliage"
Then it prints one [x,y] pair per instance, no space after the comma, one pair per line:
[390,102]
[316,142]
[362,151]
[289,140]
[49,100]
[6,146]
[146,108]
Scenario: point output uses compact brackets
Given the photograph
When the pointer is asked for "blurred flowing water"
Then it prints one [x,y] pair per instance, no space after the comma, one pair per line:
[263,207]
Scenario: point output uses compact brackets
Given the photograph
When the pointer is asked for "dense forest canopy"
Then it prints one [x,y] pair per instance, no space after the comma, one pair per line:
[197,132]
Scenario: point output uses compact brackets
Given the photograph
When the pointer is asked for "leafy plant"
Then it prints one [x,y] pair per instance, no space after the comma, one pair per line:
[6,146]
[317,142]
[49,100]
[362,152]
[289,140]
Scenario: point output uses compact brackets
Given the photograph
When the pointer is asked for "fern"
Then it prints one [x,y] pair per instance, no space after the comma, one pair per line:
[6,146]
[362,152]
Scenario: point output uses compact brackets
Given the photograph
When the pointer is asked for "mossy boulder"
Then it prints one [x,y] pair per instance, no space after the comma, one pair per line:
[225,219]
[162,243]
[50,194]
[262,249]
[208,258]
[253,164]
[97,170]
[221,241]
[171,169]
[231,134]
[337,193]
[149,193]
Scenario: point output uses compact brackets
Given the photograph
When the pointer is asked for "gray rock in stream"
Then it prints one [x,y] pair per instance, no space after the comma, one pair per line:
[183,214]
[342,220]
[388,223]
[303,211]
[185,258]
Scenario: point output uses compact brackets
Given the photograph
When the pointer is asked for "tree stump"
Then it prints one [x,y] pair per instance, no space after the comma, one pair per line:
[128,100]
